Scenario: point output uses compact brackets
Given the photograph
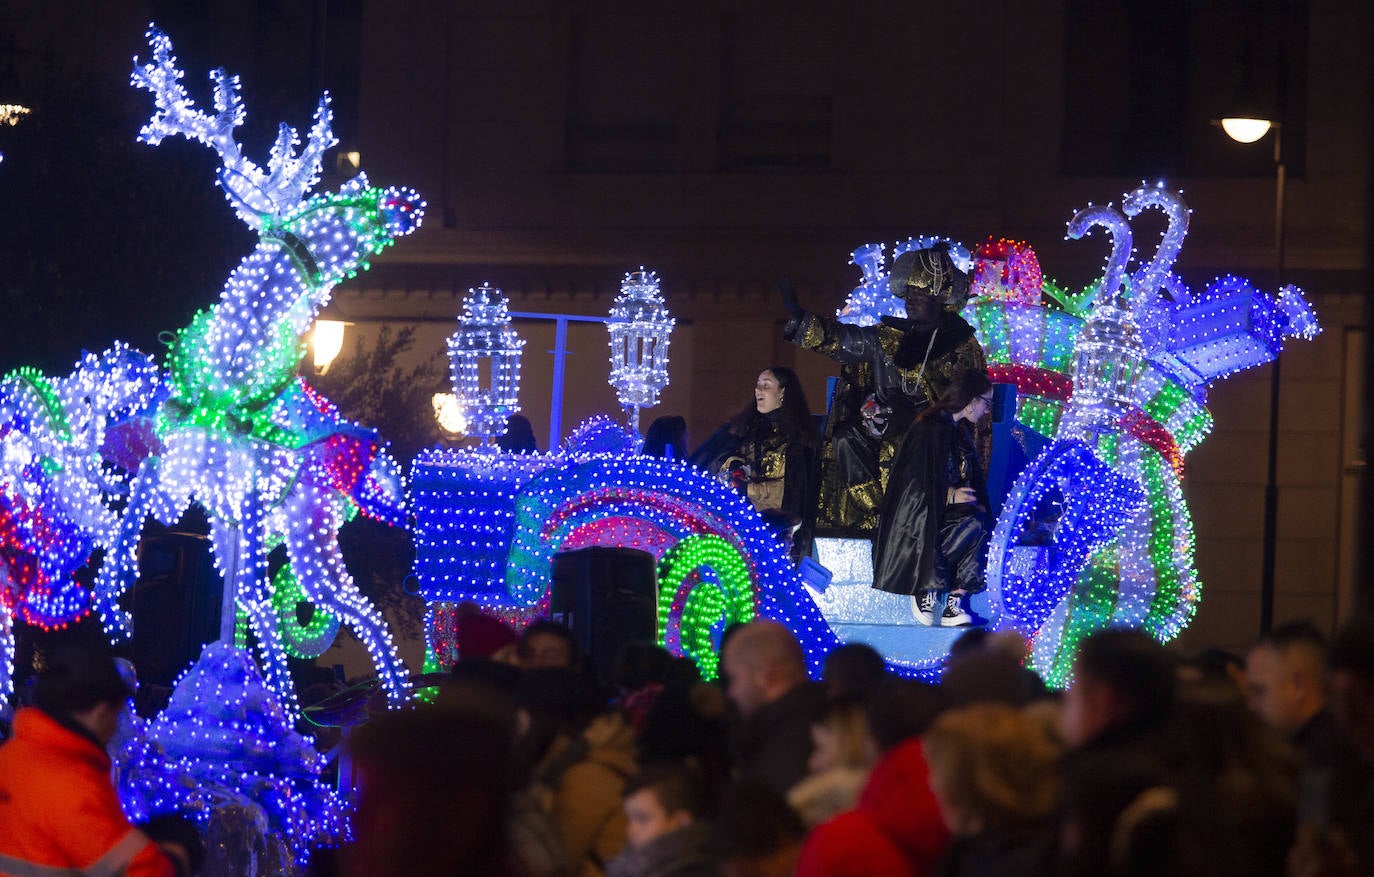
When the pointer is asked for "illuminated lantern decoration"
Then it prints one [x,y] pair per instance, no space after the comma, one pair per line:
[485,335]
[1108,353]
[1106,361]
[640,328]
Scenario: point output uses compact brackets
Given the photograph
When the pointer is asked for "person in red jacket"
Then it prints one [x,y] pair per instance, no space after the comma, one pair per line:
[59,813]
[896,829]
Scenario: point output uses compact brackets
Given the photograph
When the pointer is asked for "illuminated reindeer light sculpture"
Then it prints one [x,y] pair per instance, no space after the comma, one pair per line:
[241,435]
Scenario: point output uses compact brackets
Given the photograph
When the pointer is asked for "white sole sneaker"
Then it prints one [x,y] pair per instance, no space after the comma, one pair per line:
[924,617]
[954,612]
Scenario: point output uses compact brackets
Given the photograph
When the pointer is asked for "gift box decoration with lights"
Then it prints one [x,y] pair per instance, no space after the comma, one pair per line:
[1005,270]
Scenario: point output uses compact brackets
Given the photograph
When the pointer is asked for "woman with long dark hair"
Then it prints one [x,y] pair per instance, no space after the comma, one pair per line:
[768,451]
[932,529]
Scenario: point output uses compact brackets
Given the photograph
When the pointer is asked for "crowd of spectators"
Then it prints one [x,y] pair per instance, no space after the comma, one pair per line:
[1148,764]
[524,764]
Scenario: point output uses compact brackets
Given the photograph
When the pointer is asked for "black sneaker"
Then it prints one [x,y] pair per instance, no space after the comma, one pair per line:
[923,607]
[955,615]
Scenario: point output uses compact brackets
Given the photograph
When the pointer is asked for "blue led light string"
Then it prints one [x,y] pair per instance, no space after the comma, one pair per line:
[226,740]
[469,507]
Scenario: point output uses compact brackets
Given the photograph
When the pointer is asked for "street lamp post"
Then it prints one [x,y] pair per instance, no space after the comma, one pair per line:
[1249,130]
[327,337]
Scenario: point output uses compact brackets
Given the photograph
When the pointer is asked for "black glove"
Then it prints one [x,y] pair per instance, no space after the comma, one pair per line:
[789,299]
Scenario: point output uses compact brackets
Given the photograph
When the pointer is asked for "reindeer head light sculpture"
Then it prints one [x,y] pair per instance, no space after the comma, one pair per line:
[268,459]
[231,361]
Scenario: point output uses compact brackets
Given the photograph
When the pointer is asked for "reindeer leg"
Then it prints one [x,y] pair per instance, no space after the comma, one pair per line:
[312,544]
[120,567]
[243,563]
[273,656]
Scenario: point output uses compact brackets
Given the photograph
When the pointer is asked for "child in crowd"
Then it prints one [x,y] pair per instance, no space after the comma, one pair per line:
[840,761]
[666,837]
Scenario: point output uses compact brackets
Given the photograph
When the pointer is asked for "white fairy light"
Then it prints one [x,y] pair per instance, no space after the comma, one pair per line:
[265,456]
[485,335]
[640,330]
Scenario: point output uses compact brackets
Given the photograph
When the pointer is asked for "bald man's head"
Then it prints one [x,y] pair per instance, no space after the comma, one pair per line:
[763,661]
[1285,676]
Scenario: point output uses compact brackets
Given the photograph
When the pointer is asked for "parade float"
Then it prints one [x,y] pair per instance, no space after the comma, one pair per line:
[1103,395]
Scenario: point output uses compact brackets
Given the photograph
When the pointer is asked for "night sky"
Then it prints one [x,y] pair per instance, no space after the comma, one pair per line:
[105,237]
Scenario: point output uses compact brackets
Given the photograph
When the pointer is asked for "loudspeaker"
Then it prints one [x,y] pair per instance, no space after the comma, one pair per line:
[176,606]
[607,597]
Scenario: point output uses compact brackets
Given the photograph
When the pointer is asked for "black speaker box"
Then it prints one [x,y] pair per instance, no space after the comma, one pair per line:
[607,596]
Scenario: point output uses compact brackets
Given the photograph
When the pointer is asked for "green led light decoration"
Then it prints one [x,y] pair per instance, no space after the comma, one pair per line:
[711,579]
[1078,303]
[309,640]
[42,388]
[1090,610]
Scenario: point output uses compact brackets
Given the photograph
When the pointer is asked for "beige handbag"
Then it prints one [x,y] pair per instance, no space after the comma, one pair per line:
[766,495]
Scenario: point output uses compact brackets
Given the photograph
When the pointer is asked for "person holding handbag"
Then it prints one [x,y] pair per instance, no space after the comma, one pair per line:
[768,452]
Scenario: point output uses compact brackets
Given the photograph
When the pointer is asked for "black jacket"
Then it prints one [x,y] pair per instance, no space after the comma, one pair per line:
[935,456]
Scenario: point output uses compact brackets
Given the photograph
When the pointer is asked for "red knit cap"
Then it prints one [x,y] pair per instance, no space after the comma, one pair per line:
[481,636]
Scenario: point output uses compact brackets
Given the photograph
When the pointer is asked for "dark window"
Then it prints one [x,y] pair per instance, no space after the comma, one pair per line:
[777,80]
[1144,79]
[624,92]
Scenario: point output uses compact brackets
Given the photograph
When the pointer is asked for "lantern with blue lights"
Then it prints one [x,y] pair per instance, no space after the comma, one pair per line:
[640,331]
[489,394]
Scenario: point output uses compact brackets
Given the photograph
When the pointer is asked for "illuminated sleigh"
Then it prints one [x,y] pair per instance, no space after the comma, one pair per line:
[1109,386]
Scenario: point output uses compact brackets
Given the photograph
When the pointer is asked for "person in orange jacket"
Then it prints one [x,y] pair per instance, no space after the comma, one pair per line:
[59,812]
